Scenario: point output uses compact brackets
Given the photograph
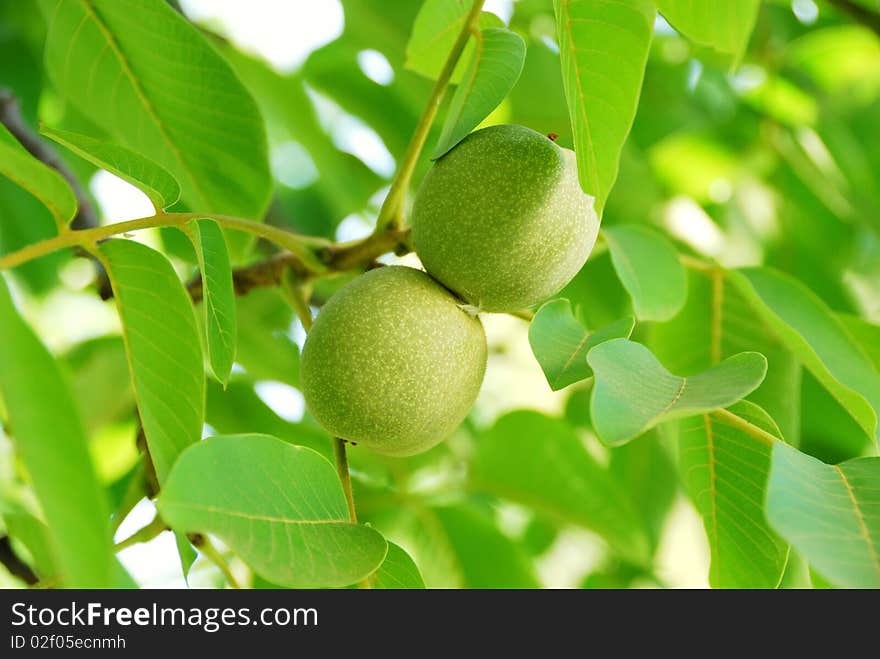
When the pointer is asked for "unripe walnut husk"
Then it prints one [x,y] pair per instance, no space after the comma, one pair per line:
[393,362]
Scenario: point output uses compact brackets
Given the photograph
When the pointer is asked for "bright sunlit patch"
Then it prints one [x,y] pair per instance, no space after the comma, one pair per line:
[283,33]
[662,26]
[720,190]
[208,431]
[282,399]
[118,199]
[674,50]
[503,9]
[747,78]
[155,563]
[695,71]
[296,332]
[293,166]
[757,203]
[805,11]
[687,220]
[376,67]
[352,135]
[77,274]
[66,318]
[353,227]
[550,43]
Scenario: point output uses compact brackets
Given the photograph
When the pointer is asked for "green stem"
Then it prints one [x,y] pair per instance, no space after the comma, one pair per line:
[341,460]
[753,431]
[304,247]
[391,213]
[209,551]
[344,475]
[145,534]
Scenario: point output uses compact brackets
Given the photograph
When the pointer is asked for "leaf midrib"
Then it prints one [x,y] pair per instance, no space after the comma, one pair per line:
[863,528]
[141,94]
[255,518]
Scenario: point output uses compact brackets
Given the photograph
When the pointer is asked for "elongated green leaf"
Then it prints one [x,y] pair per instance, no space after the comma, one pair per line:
[634,392]
[147,76]
[434,32]
[808,328]
[41,181]
[603,48]
[397,571]
[725,472]
[829,513]
[48,436]
[163,347]
[494,68]
[560,343]
[280,507]
[218,295]
[539,462]
[649,268]
[153,179]
[717,322]
[866,334]
[719,25]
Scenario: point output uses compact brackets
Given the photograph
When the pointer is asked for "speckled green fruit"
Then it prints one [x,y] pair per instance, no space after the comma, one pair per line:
[393,362]
[501,219]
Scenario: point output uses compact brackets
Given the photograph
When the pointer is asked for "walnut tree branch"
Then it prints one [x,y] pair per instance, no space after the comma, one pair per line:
[10,116]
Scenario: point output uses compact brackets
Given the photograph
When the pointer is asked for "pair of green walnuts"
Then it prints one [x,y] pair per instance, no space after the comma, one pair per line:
[395,359]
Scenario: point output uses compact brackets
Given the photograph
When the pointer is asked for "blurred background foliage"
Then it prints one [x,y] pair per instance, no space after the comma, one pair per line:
[775,163]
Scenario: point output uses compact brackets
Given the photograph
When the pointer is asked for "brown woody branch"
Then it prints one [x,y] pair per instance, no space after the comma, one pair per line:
[341,257]
[10,116]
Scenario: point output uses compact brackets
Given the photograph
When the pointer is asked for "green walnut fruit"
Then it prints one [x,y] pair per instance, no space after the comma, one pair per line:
[393,362]
[501,219]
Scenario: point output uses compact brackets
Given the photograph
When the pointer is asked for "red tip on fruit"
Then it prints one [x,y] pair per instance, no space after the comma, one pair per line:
[552,136]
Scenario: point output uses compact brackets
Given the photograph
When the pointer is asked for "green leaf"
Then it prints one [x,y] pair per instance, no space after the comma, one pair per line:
[24,220]
[434,32]
[41,181]
[154,180]
[163,347]
[808,328]
[265,349]
[540,462]
[829,513]
[48,436]
[36,538]
[866,334]
[560,343]
[494,68]
[603,49]
[649,268]
[634,391]
[218,295]
[101,381]
[719,25]
[717,322]
[646,473]
[486,557]
[398,571]
[725,472]
[148,77]
[280,507]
